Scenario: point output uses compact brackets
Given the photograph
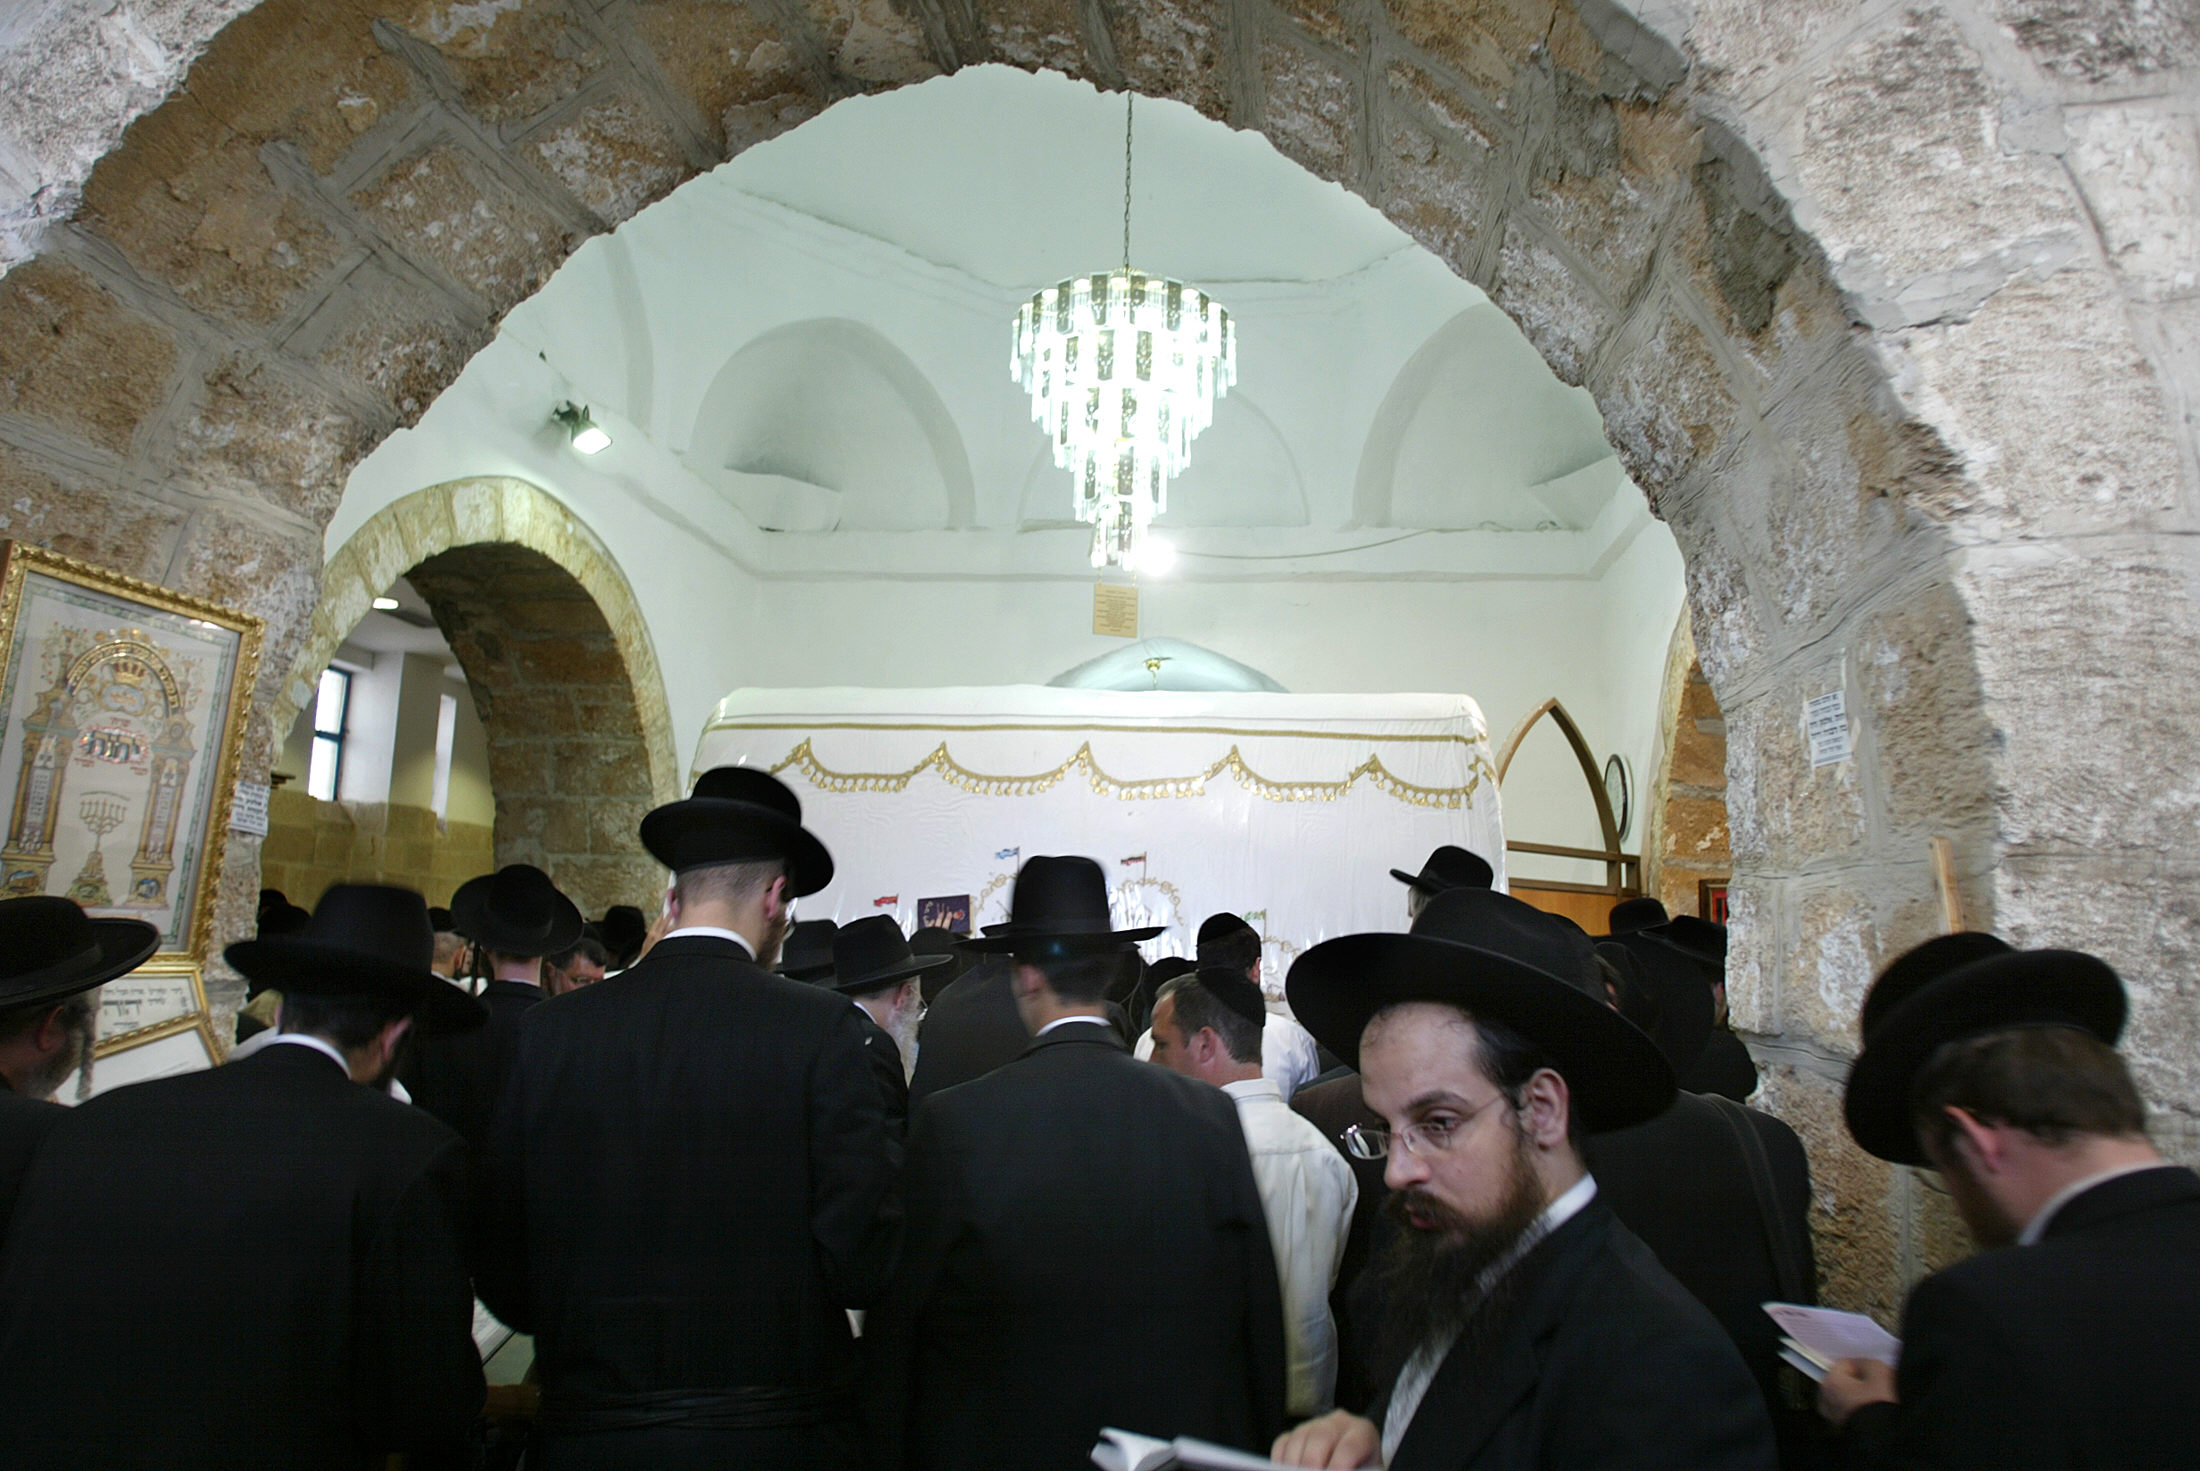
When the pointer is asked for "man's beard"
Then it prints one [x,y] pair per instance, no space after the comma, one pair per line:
[1428,1278]
[904,1033]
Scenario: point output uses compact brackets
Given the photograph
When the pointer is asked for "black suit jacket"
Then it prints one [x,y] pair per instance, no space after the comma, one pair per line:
[2077,1351]
[1085,1248]
[23,1123]
[253,1266]
[460,1077]
[1681,1183]
[971,1028]
[690,1179]
[884,1055]
[1600,1359]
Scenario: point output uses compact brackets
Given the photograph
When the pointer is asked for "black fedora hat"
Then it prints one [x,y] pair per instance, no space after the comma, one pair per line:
[738,814]
[1059,907]
[1698,939]
[364,940]
[807,953]
[1502,960]
[50,949]
[2000,993]
[870,954]
[1915,969]
[1235,990]
[1635,914]
[1673,1001]
[1449,867]
[516,911]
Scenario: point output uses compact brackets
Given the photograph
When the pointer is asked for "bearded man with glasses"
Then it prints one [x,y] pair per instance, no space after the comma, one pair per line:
[1524,1325]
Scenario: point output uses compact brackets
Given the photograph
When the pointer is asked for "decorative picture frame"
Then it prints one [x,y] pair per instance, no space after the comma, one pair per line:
[122,712]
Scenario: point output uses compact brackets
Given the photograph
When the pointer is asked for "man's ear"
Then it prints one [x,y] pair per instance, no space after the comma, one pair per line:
[1025,980]
[1979,1147]
[1546,1107]
[52,1035]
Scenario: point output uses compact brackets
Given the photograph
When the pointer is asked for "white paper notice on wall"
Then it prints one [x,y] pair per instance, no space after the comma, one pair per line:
[1826,727]
[248,809]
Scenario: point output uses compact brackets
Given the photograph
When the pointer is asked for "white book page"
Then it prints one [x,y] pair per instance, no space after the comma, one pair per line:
[1833,1334]
[1120,1450]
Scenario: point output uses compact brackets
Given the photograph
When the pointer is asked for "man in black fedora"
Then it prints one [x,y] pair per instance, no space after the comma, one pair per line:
[874,967]
[127,1337]
[2068,1340]
[1447,867]
[513,918]
[1528,1327]
[55,958]
[1724,1066]
[807,954]
[970,1029]
[1086,1245]
[690,1176]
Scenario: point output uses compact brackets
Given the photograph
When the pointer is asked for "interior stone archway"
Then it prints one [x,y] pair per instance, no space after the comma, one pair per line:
[558,660]
[1928,451]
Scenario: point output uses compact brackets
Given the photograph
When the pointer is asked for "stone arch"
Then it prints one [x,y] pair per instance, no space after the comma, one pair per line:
[1927,450]
[557,657]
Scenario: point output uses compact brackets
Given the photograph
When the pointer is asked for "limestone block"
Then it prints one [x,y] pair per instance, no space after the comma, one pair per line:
[1309,108]
[231,557]
[596,883]
[615,158]
[730,62]
[125,530]
[615,827]
[2140,170]
[1942,1239]
[1832,957]
[512,59]
[567,661]
[872,41]
[1746,48]
[1563,317]
[392,340]
[599,768]
[1918,687]
[258,433]
[1039,34]
[443,208]
[1327,20]
[1608,219]
[307,71]
[75,356]
[1824,531]
[1723,615]
[1450,112]
[1174,48]
[2081,650]
[1913,196]
[1666,404]
[517,766]
[2104,40]
[189,204]
[1786,815]
[1854,1217]
[1441,196]
[1487,42]
[2056,413]
[560,824]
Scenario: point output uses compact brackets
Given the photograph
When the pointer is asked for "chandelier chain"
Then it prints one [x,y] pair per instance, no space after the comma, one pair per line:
[1129,99]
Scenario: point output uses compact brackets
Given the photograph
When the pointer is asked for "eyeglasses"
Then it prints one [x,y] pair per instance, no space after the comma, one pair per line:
[1429,1137]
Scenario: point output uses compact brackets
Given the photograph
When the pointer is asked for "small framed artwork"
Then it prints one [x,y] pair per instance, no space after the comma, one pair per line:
[122,711]
[950,912]
[1711,900]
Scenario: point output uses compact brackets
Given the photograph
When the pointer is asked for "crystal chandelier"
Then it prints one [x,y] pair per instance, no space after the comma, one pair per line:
[1123,370]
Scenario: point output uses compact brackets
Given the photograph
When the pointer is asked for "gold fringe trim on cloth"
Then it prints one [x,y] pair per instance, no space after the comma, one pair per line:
[984,784]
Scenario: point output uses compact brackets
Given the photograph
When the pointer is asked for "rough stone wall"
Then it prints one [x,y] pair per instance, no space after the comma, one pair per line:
[1684,817]
[312,844]
[1890,310]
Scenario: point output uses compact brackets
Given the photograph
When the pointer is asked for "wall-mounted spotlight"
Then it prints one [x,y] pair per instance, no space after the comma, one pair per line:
[588,436]
[384,605]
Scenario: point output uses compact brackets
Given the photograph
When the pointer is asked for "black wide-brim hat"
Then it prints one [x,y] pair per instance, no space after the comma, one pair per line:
[807,952]
[1679,992]
[1059,907]
[1698,939]
[1614,1073]
[516,911]
[51,950]
[871,954]
[368,940]
[738,814]
[1449,867]
[1630,915]
[2001,993]
[1235,990]
[1915,969]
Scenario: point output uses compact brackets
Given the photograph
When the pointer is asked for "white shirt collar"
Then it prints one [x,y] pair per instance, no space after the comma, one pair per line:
[715,933]
[1254,1088]
[307,1039]
[1063,1021]
[2044,1217]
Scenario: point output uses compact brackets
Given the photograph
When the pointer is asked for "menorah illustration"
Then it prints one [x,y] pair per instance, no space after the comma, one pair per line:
[101,813]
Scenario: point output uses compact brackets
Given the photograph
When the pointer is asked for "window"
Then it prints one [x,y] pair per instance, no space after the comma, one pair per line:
[446,736]
[328,734]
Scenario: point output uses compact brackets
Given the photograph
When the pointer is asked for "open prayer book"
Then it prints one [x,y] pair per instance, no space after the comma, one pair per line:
[1119,1450]
[1818,1338]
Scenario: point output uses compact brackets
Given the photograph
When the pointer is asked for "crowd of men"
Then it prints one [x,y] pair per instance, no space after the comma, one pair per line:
[1478,1194]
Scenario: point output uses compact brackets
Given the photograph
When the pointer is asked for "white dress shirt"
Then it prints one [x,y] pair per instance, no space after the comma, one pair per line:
[1420,1369]
[1065,1021]
[1307,1191]
[1288,1057]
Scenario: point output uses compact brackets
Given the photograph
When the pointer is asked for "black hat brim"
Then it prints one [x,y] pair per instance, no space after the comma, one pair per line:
[1687,1013]
[892,976]
[1614,1074]
[479,923]
[701,831]
[295,965]
[1092,942]
[1415,881]
[2003,993]
[119,946]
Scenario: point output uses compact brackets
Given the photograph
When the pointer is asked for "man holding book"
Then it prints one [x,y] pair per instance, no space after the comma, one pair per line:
[2067,1342]
[1526,1326]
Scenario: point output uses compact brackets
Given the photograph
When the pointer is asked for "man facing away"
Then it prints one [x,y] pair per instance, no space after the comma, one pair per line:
[690,1175]
[1208,1027]
[1086,1245]
[875,969]
[2069,1340]
[257,1265]
[1529,1327]
[53,959]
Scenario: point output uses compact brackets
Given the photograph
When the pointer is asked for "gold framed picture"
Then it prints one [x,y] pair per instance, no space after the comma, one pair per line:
[122,714]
